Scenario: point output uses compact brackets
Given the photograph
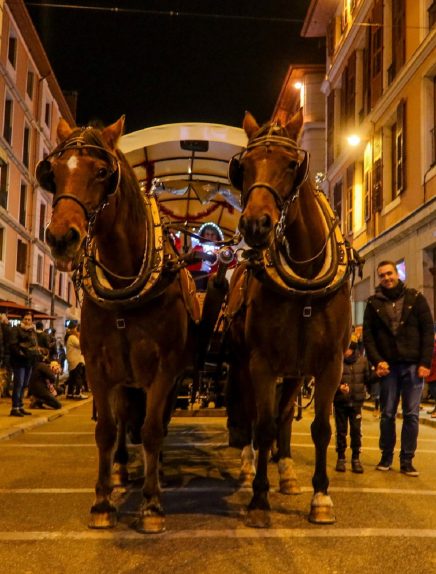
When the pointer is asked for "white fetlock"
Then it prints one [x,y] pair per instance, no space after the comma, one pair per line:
[248,467]
[288,477]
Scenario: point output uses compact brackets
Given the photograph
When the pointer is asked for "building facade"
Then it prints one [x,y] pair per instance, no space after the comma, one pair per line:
[380,156]
[31,103]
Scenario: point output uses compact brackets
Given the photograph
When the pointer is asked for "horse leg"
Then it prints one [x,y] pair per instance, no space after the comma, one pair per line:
[103,512]
[321,509]
[120,474]
[258,514]
[152,519]
[288,477]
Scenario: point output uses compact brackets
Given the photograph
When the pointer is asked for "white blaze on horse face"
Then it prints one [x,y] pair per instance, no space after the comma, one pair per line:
[73,163]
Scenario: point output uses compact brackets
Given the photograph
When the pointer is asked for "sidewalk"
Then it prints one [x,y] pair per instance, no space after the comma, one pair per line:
[11,426]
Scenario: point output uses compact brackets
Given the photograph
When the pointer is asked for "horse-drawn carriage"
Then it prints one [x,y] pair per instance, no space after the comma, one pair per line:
[288,309]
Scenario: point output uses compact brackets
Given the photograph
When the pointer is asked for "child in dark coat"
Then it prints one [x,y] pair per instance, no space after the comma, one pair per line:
[348,403]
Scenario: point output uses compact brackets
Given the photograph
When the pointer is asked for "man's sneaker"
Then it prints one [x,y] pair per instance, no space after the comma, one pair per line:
[356,466]
[16,413]
[340,465]
[384,465]
[24,412]
[80,397]
[408,469]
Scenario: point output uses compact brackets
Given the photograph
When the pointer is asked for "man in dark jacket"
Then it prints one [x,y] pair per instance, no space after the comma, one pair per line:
[398,338]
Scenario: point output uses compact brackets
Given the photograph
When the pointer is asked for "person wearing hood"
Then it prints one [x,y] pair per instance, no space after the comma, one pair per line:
[398,339]
[348,403]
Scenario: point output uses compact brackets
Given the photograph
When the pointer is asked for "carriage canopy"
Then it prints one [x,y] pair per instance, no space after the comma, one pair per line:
[187,164]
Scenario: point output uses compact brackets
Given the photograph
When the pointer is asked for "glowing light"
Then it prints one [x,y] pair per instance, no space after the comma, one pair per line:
[298,85]
[353,140]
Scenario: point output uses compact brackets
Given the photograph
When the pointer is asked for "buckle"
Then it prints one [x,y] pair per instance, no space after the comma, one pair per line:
[307,311]
[120,323]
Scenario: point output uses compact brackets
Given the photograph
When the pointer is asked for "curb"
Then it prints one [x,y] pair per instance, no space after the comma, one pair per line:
[41,420]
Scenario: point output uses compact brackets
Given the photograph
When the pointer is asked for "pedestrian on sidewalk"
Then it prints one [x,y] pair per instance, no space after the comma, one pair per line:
[431,379]
[398,339]
[348,403]
[24,351]
[42,384]
[76,365]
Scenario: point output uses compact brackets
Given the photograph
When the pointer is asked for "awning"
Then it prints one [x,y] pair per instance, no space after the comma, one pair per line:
[187,164]
[15,310]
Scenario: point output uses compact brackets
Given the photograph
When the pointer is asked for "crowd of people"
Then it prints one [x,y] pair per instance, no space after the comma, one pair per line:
[33,363]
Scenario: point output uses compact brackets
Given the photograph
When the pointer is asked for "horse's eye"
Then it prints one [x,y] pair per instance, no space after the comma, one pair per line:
[102,173]
[293,164]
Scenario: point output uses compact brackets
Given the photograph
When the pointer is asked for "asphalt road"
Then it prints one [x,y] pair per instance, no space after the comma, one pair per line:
[386,522]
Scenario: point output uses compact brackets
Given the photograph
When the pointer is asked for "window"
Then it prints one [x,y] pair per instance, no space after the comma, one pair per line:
[433,130]
[69,292]
[377,186]
[30,85]
[367,195]
[12,50]
[330,128]
[4,184]
[51,277]
[398,151]
[398,35]
[432,14]
[349,205]
[23,204]
[26,146]
[39,269]
[8,120]
[2,238]
[376,53]
[21,256]
[42,216]
[61,284]
[47,116]
[337,200]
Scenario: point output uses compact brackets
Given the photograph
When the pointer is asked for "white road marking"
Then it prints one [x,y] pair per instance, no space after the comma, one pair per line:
[315,532]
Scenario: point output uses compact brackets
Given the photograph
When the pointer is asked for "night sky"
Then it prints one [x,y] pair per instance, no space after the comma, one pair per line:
[209,63]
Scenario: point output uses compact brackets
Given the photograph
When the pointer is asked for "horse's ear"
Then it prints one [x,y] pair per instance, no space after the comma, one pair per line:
[113,132]
[250,125]
[64,130]
[295,124]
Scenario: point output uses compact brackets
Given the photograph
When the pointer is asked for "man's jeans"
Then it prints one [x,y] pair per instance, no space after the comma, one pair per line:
[21,381]
[402,382]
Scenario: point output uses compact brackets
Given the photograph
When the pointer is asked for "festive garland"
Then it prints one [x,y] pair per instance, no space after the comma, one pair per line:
[197,216]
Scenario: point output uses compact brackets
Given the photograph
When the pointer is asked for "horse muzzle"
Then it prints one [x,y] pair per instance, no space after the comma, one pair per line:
[64,246]
[256,230]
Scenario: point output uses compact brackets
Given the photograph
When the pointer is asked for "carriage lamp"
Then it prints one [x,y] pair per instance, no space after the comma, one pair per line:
[298,85]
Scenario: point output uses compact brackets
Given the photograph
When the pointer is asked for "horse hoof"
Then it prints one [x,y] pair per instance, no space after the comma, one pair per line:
[321,509]
[151,524]
[289,487]
[102,520]
[258,518]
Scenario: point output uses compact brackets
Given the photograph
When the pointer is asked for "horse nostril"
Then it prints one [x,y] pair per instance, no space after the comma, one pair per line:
[265,224]
[72,236]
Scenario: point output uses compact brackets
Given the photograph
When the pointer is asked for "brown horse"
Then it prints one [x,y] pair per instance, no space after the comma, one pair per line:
[136,310]
[288,309]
